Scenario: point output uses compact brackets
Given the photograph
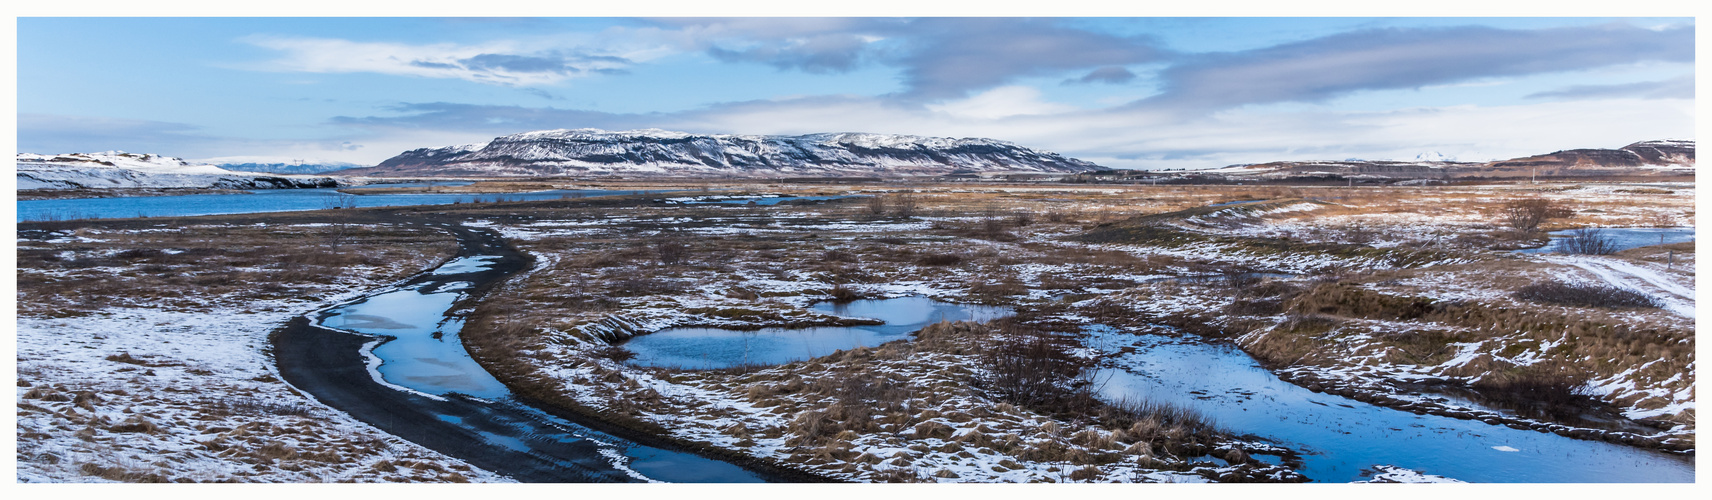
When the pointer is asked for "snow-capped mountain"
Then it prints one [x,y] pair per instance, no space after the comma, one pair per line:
[118,169]
[654,152]
[1433,156]
[299,168]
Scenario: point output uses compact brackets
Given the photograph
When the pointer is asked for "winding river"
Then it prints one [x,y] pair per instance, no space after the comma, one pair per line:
[394,360]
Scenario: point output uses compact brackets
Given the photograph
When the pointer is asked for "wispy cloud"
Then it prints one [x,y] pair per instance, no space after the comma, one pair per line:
[937,58]
[1675,88]
[501,63]
[1336,65]
[1108,74]
[1149,139]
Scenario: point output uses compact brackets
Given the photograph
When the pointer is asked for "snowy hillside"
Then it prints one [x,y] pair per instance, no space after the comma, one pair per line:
[667,153]
[118,169]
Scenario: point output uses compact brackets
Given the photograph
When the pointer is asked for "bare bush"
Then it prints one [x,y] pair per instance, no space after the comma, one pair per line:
[903,205]
[876,205]
[1589,241]
[670,250]
[1574,294]
[1528,213]
[1029,367]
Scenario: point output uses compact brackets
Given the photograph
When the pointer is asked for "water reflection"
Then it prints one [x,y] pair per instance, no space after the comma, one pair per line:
[419,351]
[1624,238]
[705,348]
[1343,436]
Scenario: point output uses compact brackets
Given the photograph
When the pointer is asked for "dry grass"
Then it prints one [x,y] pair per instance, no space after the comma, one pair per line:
[234,264]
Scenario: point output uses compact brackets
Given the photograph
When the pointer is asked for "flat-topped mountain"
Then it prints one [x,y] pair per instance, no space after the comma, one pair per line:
[654,152]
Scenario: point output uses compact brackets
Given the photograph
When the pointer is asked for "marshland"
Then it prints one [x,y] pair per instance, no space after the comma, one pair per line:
[923,332]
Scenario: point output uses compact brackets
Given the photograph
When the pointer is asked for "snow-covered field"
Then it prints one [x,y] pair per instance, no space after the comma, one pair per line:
[146,386]
[138,394]
[607,273]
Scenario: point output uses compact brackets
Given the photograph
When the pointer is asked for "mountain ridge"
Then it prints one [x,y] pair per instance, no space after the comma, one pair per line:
[655,152]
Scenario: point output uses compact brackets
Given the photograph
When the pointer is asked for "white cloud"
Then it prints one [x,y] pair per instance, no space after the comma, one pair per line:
[504,62]
[1138,139]
[1002,102]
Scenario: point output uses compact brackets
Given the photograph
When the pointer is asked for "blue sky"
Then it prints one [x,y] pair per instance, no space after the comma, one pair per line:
[1122,92]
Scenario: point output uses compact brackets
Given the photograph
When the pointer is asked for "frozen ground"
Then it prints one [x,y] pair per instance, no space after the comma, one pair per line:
[140,394]
[144,385]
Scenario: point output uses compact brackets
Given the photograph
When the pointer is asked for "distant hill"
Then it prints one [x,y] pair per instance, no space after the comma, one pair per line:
[1641,159]
[654,152]
[289,168]
[118,169]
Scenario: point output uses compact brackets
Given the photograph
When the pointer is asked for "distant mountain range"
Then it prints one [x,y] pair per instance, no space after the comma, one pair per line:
[653,152]
[118,169]
[1648,158]
[289,168]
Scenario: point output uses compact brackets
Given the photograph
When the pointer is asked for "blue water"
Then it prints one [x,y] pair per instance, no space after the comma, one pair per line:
[1624,237]
[421,352]
[705,348]
[1342,436]
[1237,202]
[271,200]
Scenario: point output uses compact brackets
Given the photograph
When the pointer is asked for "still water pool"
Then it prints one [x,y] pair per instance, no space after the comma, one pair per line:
[706,348]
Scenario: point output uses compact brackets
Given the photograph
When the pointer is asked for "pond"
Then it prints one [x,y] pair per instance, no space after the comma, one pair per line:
[417,350]
[1624,237]
[1342,436]
[708,348]
[270,200]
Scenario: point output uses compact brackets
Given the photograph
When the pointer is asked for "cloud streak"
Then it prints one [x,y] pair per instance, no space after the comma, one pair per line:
[498,63]
[1675,88]
[1324,68]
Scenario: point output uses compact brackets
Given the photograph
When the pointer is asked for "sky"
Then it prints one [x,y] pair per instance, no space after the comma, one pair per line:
[1149,93]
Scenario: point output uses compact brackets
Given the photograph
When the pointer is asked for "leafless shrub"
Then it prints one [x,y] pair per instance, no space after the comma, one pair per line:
[876,205]
[903,205]
[1528,213]
[841,294]
[670,250]
[1574,294]
[1589,241]
[1029,367]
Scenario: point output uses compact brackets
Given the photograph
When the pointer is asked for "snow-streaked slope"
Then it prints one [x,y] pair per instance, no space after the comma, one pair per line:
[118,169]
[662,152]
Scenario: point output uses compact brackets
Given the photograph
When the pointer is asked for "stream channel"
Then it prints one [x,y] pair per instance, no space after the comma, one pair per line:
[1341,439]
[395,361]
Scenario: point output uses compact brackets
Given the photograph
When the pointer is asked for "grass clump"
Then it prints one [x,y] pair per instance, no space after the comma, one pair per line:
[1584,295]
